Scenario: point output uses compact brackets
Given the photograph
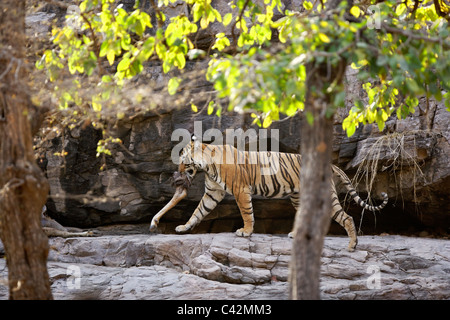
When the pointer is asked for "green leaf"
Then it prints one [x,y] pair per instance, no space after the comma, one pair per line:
[136,68]
[197,11]
[351,130]
[123,64]
[110,56]
[166,66]
[221,42]
[355,11]
[40,63]
[145,18]
[381,124]
[83,6]
[194,107]
[204,22]
[180,60]
[173,85]
[324,38]
[216,14]
[401,8]
[384,116]
[125,43]
[267,121]
[227,19]
[210,107]
[104,48]
[96,105]
[307,5]
[120,75]
[339,99]
[147,49]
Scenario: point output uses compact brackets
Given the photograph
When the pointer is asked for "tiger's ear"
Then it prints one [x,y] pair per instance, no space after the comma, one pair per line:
[197,144]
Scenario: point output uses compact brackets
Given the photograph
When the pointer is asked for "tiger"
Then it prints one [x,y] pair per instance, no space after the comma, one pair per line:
[246,173]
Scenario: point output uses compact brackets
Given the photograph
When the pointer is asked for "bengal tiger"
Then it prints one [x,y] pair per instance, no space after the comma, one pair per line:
[246,173]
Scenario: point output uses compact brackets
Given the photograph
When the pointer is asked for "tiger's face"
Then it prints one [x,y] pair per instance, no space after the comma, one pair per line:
[189,164]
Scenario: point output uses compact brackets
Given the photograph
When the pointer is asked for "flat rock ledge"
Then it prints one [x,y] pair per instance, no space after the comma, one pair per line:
[224,266]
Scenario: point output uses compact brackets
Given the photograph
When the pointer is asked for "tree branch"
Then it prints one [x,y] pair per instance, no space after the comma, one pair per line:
[96,44]
[440,12]
[159,16]
[415,36]
[238,20]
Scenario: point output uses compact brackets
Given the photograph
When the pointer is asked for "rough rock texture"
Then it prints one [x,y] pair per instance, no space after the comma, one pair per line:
[224,266]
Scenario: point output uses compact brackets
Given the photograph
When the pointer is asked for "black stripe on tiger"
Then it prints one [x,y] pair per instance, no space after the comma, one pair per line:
[258,173]
[351,190]
[212,198]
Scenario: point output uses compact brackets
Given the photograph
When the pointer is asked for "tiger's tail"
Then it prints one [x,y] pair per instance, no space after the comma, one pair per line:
[348,185]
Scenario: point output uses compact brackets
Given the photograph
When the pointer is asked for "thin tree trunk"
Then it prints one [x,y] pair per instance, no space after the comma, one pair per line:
[313,217]
[23,187]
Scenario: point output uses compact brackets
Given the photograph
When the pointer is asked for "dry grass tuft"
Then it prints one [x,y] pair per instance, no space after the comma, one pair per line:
[401,156]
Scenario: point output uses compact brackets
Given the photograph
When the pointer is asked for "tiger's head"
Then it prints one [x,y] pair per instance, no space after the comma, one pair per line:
[191,159]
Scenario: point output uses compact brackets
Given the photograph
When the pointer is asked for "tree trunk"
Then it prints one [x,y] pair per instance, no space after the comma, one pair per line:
[313,217]
[23,186]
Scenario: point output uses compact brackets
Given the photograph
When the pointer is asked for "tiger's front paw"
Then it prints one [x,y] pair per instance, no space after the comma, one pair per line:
[242,233]
[153,226]
[181,228]
[352,245]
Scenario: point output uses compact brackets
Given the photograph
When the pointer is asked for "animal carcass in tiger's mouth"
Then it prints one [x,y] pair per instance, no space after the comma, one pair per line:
[182,183]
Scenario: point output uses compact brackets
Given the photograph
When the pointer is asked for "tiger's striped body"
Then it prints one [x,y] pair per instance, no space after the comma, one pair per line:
[243,174]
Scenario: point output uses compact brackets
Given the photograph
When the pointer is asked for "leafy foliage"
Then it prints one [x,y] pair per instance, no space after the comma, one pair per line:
[400,48]
[405,57]
[126,40]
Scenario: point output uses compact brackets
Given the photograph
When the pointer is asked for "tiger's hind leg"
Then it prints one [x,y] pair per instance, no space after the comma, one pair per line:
[337,213]
[295,200]
[340,216]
